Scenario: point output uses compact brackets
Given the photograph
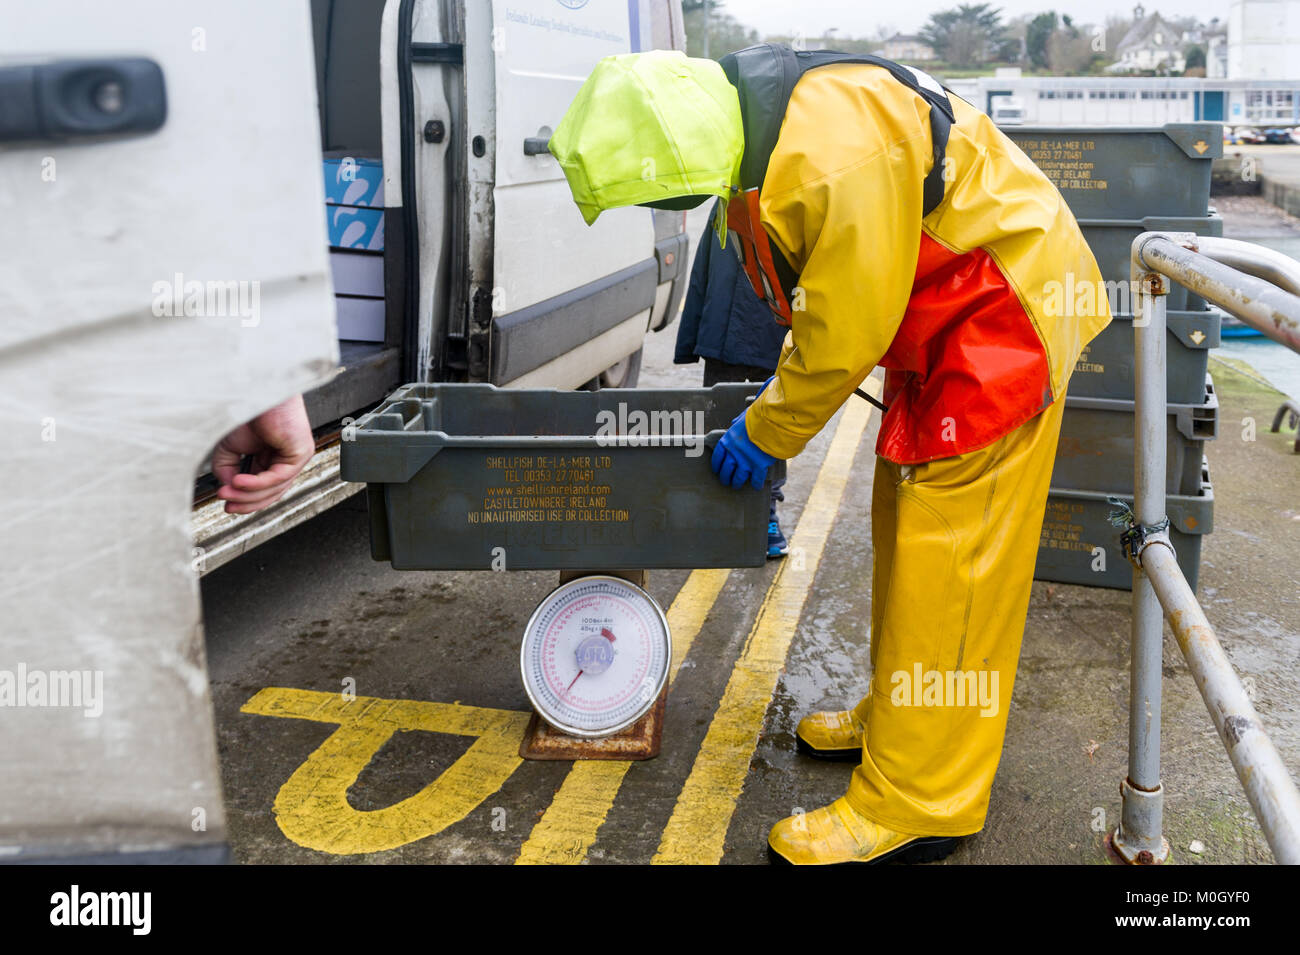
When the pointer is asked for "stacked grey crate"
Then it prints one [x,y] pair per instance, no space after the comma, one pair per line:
[1120,182]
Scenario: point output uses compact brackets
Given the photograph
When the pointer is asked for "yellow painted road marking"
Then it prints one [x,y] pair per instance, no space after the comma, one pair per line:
[696,831]
[567,830]
[689,609]
[312,807]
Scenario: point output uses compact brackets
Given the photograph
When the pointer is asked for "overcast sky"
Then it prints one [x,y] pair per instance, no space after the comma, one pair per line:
[862,17]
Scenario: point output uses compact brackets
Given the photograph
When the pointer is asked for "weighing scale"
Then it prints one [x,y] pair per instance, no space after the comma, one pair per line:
[594,662]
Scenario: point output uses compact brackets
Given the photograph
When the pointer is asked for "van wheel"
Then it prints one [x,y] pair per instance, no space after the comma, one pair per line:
[624,374]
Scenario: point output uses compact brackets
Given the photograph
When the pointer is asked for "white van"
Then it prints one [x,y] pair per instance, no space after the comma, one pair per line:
[209,207]
[487,271]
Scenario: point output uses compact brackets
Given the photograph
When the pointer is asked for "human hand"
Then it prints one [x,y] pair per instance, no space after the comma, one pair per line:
[737,459]
[280,444]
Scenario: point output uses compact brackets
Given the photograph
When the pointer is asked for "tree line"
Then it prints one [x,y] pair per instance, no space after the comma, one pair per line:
[968,36]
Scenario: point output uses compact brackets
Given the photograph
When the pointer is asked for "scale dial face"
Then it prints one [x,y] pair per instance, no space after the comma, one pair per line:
[595,656]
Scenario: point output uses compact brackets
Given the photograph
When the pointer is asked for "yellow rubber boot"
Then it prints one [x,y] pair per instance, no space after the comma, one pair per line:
[836,834]
[831,735]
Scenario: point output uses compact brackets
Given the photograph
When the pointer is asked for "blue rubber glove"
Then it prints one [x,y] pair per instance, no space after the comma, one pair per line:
[736,459]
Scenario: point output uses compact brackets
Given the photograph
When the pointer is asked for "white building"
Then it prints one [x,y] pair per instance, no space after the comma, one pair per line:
[907,48]
[1150,45]
[1216,55]
[1264,39]
[1138,101]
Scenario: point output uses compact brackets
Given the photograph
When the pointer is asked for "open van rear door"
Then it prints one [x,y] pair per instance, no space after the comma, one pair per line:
[504,281]
[165,279]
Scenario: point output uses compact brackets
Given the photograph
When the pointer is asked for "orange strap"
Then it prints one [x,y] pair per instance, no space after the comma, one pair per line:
[755,251]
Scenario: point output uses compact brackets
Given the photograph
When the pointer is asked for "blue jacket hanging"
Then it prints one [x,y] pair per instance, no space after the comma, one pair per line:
[723,319]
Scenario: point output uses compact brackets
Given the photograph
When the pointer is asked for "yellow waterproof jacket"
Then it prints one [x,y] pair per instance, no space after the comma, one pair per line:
[963,308]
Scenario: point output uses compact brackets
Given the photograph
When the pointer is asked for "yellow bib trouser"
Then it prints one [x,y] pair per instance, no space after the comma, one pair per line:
[955,542]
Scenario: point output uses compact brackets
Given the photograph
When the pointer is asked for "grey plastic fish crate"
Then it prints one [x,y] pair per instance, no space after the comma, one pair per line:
[1106,369]
[473,477]
[1077,523]
[1113,172]
[1095,451]
[1111,241]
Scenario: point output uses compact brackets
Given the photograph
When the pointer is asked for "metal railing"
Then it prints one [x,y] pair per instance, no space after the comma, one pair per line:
[1238,277]
[1288,409]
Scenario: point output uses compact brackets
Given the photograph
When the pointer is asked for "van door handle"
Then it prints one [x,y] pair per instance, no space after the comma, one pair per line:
[67,100]
[536,146]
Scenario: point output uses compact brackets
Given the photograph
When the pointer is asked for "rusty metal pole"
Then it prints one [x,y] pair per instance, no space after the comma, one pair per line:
[1263,774]
[1291,408]
[1259,303]
[1267,264]
[1139,837]
[1159,586]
